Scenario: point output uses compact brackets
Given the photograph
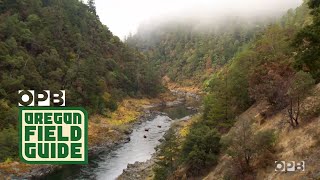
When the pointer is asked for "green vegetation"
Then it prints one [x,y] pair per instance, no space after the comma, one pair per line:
[264,67]
[242,62]
[182,51]
[198,152]
[245,147]
[261,71]
[8,143]
[308,44]
[299,88]
[62,45]
[169,151]
[47,44]
[201,148]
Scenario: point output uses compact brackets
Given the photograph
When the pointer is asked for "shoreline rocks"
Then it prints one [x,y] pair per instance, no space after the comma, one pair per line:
[185,94]
[138,170]
[144,170]
[41,171]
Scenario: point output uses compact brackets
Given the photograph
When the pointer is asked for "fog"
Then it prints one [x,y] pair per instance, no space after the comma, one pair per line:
[124,16]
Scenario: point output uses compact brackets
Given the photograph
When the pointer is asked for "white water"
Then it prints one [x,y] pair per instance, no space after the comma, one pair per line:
[138,149]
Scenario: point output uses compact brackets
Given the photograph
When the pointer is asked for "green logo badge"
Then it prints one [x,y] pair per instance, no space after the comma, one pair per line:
[53,135]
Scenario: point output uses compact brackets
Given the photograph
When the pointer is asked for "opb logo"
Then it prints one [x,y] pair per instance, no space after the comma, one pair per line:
[54,135]
[290,166]
[41,98]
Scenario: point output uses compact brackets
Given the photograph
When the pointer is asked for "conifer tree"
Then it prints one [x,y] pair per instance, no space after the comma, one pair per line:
[308,43]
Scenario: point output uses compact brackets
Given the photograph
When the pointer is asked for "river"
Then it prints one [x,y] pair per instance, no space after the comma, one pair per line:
[109,165]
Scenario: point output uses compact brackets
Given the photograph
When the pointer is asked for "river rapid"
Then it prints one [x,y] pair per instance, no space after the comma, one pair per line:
[143,139]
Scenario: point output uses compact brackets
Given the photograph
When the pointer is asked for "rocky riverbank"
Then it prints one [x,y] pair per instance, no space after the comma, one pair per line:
[144,170]
[18,170]
[186,94]
[124,137]
[138,170]
[102,137]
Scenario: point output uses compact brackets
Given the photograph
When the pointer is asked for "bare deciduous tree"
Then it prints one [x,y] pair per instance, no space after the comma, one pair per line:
[299,88]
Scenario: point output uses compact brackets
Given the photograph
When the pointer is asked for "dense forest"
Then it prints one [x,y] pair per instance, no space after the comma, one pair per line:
[243,64]
[238,62]
[187,50]
[62,45]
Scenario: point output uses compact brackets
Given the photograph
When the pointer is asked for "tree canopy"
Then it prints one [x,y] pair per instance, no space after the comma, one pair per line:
[62,45]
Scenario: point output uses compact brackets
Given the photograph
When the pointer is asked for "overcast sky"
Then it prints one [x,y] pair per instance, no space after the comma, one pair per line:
[124,16]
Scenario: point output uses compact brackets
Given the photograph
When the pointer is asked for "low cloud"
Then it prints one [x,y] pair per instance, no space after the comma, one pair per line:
[125,16]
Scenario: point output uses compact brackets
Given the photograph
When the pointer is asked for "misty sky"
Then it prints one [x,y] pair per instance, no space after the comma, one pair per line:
[124,16]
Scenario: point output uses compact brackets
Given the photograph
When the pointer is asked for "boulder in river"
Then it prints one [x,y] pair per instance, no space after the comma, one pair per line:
[174,103]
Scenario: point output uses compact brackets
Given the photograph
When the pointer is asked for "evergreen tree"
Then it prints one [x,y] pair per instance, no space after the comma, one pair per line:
[60,45]
[308,43]
[92,6]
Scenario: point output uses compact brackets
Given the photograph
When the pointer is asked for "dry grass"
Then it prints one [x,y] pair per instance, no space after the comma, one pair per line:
[104,129]
[187,85]
[299,144]
[17,168]
[190,88]
[101,129]
[186,125]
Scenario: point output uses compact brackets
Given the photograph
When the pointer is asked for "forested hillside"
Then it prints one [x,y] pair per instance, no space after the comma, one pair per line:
[62,45]
[188,52]
[263,70]
[277,64]
[257,75]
